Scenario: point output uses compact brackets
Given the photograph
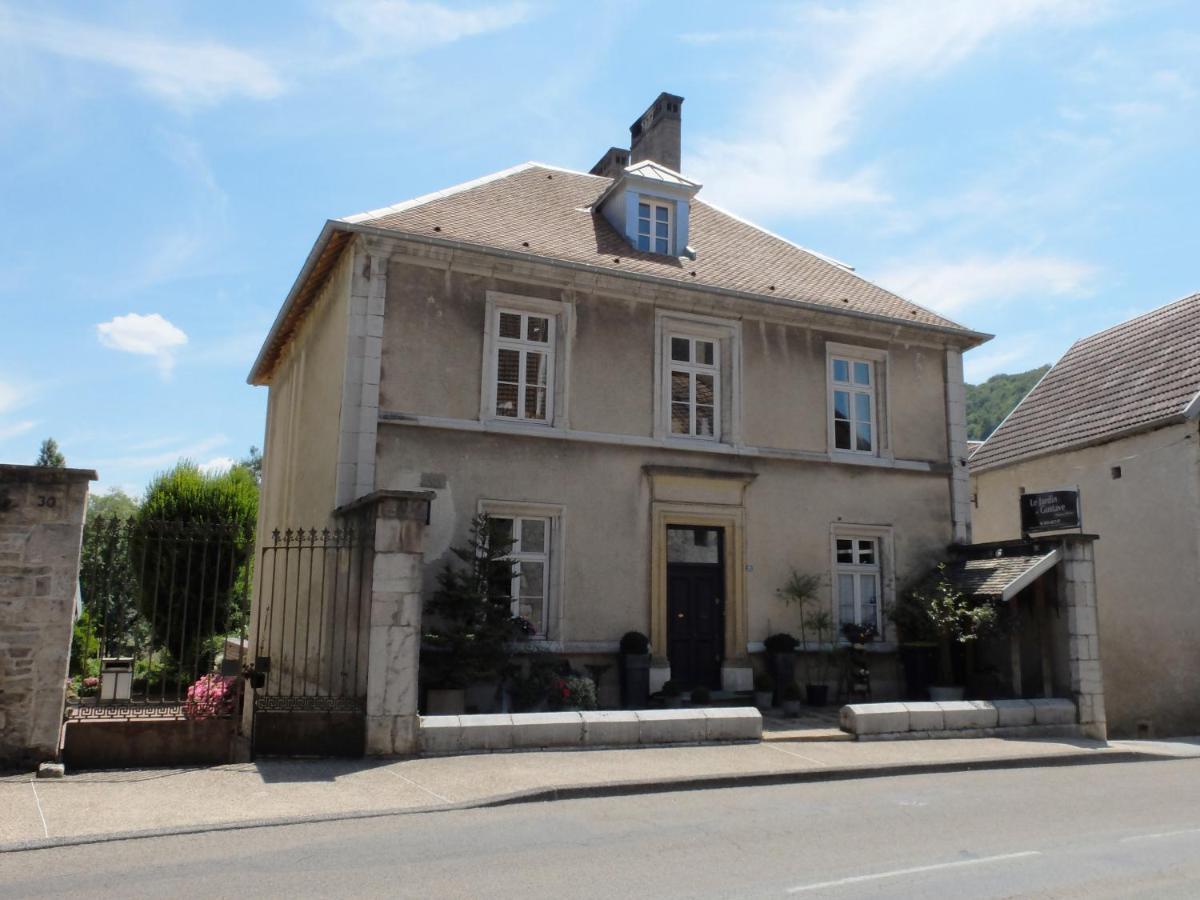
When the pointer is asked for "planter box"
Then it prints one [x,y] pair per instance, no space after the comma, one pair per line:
[635,680]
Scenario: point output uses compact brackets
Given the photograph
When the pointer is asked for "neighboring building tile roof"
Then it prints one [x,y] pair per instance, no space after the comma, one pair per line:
[1138,375]
[547,212]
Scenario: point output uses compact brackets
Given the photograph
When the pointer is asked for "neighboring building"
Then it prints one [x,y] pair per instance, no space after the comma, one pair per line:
[673,407]
[1117,418]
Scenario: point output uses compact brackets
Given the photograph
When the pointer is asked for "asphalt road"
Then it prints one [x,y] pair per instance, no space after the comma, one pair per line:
[1118,830]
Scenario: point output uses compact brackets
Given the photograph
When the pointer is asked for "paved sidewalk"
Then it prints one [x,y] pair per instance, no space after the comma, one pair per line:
[102,805]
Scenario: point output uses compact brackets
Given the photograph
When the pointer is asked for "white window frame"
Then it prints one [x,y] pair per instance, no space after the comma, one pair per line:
[552,573]
[654,204]
[557,349]
[883,569]
[727,336]
[877,363]
[692,368]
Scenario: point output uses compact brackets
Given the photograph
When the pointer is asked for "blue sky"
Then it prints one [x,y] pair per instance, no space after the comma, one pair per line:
[1029,168]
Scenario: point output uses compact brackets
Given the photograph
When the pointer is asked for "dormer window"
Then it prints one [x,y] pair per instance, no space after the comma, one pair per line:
[654,227]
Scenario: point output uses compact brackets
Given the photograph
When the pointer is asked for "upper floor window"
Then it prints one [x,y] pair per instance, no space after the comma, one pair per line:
[852,404]
[695,378]
[654,226]
[524,365]
[857,579]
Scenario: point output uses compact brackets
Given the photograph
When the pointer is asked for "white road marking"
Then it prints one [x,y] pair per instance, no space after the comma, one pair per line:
[916,870]
[775,746]
[38,801]
[1161,834]
[422,787]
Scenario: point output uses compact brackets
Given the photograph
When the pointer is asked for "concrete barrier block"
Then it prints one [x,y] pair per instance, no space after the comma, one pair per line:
[672,726]
[963,714]
[739,723]
[874,718]
[558,729]
[925,717]
[492,732]
[1053,711]
[610,728]
[1013,713]
[440,734]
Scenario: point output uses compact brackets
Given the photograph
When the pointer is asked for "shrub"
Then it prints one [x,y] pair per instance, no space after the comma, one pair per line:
[634,643]
[211,695]
[672,689]
[701,696]
[220,507]
[576,692]
[781,643]
[763,682]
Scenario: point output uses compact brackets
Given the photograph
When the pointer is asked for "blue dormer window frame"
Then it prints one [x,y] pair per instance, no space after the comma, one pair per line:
[654,232]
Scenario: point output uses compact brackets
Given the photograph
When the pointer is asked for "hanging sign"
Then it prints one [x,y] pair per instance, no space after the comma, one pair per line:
[1050,511]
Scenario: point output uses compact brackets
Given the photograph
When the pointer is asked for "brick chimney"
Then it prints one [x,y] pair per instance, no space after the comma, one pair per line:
[656,133]
[612,163]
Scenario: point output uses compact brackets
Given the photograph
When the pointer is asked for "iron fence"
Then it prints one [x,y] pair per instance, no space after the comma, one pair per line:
[161,630]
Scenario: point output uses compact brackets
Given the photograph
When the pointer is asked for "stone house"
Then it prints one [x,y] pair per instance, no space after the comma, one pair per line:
[671,407]
[1116,418]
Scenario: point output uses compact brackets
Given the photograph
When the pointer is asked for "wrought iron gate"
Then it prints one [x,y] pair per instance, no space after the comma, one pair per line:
[310,630]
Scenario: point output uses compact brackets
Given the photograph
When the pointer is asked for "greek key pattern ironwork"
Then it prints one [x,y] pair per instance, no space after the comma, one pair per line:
[166,710]
[308,704]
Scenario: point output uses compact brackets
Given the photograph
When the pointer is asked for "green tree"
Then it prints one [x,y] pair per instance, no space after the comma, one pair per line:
[470,614]
[252,461]
[942,611]
[49,455]
[192,543]
[116,504]
[989,403]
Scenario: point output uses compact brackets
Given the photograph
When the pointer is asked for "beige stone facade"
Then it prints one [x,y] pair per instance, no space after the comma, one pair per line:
[1140,494]
[385,385]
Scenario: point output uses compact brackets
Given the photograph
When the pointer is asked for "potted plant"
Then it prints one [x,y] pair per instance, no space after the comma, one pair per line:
[816,634]
[781,661]
[791,699]
[955,619]
[701,696]
[858,664]
[764,690]
[635,670]
[671,693]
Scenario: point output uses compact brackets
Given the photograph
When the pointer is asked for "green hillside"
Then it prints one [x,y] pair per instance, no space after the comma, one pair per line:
[990,402]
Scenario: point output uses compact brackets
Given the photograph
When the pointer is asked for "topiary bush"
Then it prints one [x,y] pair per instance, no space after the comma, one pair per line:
[634,643]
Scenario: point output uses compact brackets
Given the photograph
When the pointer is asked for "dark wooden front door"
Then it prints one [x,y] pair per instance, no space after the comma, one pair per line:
[696,622]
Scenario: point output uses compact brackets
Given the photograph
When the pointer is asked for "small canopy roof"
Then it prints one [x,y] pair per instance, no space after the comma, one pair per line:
[998,572]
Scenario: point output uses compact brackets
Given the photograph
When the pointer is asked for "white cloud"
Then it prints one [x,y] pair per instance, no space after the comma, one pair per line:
[950,287]
[217,464]
[14,429]
[396,26]
[805,117]
[150,335]
[185,73]
[11,397]
[196,450]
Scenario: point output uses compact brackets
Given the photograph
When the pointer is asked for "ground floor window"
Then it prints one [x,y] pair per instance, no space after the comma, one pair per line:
[530,553]
[857,580]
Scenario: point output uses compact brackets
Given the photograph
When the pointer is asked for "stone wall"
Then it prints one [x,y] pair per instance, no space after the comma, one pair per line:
[41,526]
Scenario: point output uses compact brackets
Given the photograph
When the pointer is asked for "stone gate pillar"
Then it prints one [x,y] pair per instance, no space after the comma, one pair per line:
[41,527]
[394,645]
[1077,590]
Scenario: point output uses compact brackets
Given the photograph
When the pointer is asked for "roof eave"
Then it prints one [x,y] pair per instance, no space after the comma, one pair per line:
[255,377]
[1107,438]
[967,338]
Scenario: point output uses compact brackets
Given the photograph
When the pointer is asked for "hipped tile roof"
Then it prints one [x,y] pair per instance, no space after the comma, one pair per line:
[547,212]
[1140,374]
